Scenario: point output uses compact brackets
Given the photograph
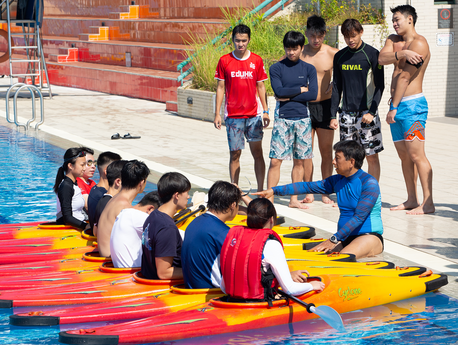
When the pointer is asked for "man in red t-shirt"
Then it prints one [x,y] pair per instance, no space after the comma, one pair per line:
[241,76]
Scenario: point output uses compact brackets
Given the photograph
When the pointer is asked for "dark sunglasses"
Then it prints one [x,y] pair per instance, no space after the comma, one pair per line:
[81,154]
[91,162]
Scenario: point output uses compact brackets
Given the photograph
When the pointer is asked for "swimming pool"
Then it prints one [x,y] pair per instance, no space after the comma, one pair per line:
[422,320]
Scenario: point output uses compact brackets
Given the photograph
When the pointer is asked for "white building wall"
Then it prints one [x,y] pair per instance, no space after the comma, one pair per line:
[440,84]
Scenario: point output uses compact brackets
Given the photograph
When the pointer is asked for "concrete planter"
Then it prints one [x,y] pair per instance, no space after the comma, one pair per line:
[197,104]
[201,105]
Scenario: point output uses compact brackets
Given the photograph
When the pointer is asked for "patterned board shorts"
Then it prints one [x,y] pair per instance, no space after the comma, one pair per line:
[410,119]
[368,135]
[291,138]
[237,129]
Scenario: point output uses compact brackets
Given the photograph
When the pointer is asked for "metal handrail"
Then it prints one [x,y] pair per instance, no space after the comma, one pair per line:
[225,32]
[32,89]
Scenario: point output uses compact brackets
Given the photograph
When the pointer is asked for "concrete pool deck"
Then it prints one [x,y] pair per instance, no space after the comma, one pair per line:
[173,143]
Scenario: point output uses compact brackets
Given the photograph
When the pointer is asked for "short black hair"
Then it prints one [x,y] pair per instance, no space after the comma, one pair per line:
[133,173]
[406,10]
[316,25]
[107,157]
[351,149]
[293,39]
[241,29]
[152,198]
[222,195]
[114,171]
[171,183]
[259,211]
[350,25]
[87,150]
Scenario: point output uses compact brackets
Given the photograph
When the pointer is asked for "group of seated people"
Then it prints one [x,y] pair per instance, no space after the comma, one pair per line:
[244,261]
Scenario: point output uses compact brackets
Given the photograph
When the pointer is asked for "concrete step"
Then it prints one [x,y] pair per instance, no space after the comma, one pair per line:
[65,55]
[171,106]
[142,83]
[96,33]
[128,12]
[159,56]
[139,30]
[165,8]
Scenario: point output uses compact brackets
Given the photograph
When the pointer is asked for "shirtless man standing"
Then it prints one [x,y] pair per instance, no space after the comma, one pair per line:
[133,182]
[321,56]
[409,52]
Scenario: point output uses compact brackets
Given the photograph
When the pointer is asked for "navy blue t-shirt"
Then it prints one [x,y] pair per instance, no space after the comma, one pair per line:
[160,238]
[92,200]
[287,78]
[202,244]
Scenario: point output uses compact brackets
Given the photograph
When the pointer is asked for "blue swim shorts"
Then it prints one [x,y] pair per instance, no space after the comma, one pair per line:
[410,119]
[291,138]
[236,129]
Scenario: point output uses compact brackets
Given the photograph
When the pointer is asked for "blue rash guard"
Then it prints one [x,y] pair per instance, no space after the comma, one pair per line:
[358,197]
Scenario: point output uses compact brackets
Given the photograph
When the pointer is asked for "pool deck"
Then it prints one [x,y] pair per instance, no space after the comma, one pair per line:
[174,143]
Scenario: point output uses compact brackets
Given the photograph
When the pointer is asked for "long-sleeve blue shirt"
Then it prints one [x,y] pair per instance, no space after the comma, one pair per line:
[287,78]
[358,198]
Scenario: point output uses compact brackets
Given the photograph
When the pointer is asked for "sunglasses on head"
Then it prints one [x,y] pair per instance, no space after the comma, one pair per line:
[91,162]
[81,154]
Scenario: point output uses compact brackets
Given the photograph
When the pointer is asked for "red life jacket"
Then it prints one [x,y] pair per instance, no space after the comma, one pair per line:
[241,257]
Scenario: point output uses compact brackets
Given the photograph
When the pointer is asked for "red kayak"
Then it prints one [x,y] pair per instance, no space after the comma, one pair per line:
[90,260]
[55,254]
[125,286]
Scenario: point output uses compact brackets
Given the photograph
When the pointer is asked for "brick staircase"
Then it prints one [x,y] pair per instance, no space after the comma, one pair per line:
[124,47]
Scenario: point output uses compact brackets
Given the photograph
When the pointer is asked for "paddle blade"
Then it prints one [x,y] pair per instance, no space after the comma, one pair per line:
[330,316]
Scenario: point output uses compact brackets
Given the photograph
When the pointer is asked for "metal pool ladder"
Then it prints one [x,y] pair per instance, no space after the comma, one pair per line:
[32,89]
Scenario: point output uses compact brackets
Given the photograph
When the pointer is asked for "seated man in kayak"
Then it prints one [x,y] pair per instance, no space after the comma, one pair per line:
[360,228]
[114,186]
[133,181]
[126,236]
[252,257]
[201,264]
[99,190]
[161,241]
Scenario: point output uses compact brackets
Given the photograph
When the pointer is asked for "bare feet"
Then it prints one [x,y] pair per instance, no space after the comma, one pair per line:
[422,209]
[298,204]
[326,199]
[407,205]
[309,198]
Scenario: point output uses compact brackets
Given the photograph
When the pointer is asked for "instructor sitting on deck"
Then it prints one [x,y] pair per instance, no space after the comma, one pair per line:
[360,229]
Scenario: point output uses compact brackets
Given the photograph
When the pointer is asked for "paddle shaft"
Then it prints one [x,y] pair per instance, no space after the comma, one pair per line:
[297,300]
[200,208]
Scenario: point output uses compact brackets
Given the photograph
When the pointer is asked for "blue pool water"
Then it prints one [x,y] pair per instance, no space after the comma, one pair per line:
[28,167]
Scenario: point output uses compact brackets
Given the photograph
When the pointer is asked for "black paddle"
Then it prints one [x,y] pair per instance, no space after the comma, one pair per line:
[181,213]
[328,314]
[200,208]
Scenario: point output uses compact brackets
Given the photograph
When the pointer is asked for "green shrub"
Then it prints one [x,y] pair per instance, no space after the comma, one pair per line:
[266,37]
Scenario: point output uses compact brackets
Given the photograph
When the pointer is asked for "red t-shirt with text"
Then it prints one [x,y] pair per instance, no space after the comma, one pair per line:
[240,78]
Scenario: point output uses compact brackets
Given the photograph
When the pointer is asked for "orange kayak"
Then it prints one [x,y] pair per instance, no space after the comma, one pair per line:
[165,302]
[343,293]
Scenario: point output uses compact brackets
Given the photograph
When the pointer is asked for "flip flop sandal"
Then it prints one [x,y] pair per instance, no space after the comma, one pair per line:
[115,136]
[129,136]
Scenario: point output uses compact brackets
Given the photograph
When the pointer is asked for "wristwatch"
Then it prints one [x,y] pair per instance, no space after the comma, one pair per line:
[266,112]
[334,239]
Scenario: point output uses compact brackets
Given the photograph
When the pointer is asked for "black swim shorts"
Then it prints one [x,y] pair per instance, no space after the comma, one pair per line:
[320,114]
[348,240]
